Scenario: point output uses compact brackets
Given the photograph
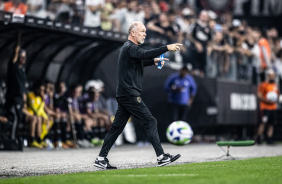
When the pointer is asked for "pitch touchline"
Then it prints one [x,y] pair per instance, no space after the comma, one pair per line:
[154,175]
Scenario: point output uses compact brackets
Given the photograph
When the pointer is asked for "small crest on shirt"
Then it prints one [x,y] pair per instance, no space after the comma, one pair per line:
[139,99]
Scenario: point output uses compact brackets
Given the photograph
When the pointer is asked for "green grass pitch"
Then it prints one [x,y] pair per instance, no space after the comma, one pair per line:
[253,171]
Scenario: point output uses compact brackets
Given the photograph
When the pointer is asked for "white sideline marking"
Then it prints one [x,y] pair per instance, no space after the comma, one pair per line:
[154,175]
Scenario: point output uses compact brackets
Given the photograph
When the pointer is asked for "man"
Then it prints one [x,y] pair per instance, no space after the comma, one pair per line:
[93,13]
[268,95]
[131,61]
[200,35]
[181,89]
[16,80]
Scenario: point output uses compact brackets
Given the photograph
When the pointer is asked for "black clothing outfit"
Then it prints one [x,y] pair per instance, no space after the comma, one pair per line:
[271,116]
[168,29]
[178,111]
[202,35]
[131,61]
[16,80]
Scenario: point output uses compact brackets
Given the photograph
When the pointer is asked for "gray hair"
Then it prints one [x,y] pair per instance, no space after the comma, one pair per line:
[132,26]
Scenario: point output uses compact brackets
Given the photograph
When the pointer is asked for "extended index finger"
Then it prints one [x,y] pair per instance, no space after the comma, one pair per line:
[178,44]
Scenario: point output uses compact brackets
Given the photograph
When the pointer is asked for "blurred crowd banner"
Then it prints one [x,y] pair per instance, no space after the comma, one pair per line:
[242,7]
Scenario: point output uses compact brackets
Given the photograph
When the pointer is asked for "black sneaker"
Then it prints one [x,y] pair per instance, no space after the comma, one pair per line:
[103,164]
[258,140]
[269,141]
[167,158]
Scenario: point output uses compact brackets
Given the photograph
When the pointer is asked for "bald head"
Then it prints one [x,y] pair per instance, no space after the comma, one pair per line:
[271,75]
[134,25]
[137,32]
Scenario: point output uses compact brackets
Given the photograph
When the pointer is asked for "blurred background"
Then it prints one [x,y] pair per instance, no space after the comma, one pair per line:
[71,49]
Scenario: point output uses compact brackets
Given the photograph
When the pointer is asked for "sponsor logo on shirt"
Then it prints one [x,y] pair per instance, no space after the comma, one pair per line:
[139,99]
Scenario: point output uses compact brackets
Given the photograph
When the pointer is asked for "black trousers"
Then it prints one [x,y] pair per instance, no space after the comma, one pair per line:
[15,115]
[127,106]
[178,112]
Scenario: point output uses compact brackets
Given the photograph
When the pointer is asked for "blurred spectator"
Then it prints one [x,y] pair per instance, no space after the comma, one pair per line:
[271,36]
[63,128]
[120,8]
[125,16]
[16,7]
[251,50]
[79,12]
[93,13]
[106,20]
[219,60]
[199,36]
[63,10]
[36,104]
[37,8]
[155,8]
[265,54]
[181,90]
[49,101]
[268,94]
[148,14]
[59,118]
[96,109]
[35,126]
[82,126]
[162,28]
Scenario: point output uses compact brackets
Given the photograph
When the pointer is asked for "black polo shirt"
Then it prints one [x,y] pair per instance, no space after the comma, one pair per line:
[131,61]
[16,80]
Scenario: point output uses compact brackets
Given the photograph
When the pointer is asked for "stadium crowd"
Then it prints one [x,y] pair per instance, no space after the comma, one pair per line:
[215,46]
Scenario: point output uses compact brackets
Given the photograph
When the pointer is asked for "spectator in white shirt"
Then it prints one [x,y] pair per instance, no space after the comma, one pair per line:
[93,13]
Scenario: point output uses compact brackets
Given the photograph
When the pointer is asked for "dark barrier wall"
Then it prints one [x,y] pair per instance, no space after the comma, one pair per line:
[204,109]
[237,103]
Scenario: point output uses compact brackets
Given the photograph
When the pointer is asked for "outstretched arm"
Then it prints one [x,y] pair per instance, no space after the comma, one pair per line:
[17,48]
[137,52]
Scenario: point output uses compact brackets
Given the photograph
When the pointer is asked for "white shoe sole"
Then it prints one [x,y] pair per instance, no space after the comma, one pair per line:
[163,164]
[172,160]
[99,166]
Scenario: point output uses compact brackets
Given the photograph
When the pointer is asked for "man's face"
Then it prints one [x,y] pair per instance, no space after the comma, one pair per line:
[132,6]
[22,58]
[140,34]
[204,17]
[163,17]
[77,92]
[41,91]
[49,88]
[271,76]
[183,73]
[256,35]
[62,87]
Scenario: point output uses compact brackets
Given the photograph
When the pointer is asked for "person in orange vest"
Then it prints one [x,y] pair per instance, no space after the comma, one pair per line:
[16,7]
[268,94]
